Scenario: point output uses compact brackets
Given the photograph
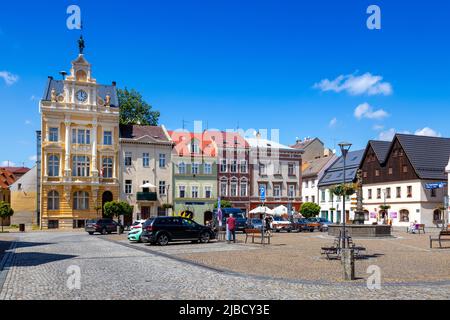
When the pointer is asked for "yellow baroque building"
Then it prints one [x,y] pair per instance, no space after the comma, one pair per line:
[80,148]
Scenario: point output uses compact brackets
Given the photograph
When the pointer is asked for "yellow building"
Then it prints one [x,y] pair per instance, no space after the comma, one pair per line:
[80,144]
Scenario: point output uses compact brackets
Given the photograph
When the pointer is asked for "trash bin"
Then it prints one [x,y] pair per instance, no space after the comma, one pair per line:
[22,227]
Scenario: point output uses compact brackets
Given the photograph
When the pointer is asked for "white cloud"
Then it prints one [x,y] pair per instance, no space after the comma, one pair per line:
[378,127]
[387,135]
[33,98]
[9,78]
[7,163]
[27,122]
[357,85]
[33,158]
[366,111]
[333,122]
[427,132]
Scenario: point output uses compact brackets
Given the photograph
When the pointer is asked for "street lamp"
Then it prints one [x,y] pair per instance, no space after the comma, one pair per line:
[345,147]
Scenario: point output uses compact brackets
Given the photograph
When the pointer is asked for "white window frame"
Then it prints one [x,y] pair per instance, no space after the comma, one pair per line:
[53,165]
[243,164]
[182,165]
[181,188]
[146,159]
[110,138]
[206,189]
[207,168]
[128,155]
[128,186]
[162,160]
[224,183]
[81,200]
[196,190]
[195,165]
[51,134]
[277,191]
[107,167]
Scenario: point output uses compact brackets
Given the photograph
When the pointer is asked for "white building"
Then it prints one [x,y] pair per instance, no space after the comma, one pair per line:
[397,177]
[312,172]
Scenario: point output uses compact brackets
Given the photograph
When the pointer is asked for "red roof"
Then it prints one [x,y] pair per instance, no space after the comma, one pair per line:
[16,170]
[225,139]
[182,140]
[7,178]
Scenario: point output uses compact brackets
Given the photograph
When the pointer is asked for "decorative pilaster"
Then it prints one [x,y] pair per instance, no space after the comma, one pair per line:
[94,148]
[67,170]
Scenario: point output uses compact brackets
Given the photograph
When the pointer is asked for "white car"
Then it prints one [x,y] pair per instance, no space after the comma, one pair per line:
[279,224]
[136,230]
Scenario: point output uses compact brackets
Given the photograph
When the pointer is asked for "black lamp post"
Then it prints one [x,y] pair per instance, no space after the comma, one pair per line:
[345,147]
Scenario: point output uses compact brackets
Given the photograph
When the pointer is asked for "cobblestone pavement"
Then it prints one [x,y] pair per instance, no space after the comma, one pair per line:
[36,268]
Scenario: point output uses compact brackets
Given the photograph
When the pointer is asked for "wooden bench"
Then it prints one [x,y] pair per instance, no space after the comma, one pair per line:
[419,227]
[443,233]
[256,233]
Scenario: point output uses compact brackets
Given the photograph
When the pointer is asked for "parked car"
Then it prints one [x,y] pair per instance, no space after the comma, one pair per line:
[324,223]
[162,230]
[103,226]
[238,214]
[302,224]
[255,224]
[279,224]
[136,231]
[314,224]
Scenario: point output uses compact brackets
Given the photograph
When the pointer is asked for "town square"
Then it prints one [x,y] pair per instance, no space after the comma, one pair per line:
[207,153]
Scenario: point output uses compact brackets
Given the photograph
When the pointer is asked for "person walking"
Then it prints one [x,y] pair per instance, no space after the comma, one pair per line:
[231,226]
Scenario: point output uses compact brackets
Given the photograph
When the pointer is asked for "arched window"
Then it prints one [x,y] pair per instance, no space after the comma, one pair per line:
[81,200]
[53,200]
[195,148]
[234,187]
[404,215]
[53,166]
[81,75]
[243,187]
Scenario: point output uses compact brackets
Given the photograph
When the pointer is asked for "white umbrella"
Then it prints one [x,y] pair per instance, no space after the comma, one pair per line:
[280,210]
[148,185]
[261,209]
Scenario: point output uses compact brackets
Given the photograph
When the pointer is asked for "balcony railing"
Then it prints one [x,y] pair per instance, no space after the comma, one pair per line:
[147,196]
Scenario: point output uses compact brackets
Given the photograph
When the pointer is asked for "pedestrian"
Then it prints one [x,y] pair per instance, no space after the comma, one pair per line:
[231,226]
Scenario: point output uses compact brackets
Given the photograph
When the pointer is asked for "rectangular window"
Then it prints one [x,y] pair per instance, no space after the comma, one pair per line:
[53,135]
[306,199]
[291,192]
[146,160]
[223,165]
[182,191]
[390,171]
[195,147]
[80,166]
[208,192]
[81,136]
[53,165]
[195,168]
[379,193]
[433,193]
[399,192]
[128,157]
[181,168]
[369,194]
[377,173]
[409,191]
[262,169]
[365,174]
[162,160]
[277,191]
[388,193]
[323,197]
[243,167]
[107,138]
[223,189]
[405,169]
[313,199]
[128,186]
[243,189]
[277,168]
[291,169]
[233,189]
[194,191]
[207,168]
[107,167]
[162,188]
[233,166]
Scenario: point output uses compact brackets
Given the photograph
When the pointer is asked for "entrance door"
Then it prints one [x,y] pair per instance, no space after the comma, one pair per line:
[145,213]
[106,197]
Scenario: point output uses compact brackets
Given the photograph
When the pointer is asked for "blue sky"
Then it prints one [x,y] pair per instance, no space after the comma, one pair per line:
[256,64]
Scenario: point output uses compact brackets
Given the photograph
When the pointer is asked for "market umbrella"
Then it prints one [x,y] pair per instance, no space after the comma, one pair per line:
[261,210]
[280,210]
[148,185]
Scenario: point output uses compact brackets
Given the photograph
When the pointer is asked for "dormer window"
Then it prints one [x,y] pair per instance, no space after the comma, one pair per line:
[195,147]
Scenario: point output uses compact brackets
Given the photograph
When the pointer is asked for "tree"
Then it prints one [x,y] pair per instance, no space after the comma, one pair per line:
[224,204]
[117,208]
[135,110]
[310,209]
[5,211]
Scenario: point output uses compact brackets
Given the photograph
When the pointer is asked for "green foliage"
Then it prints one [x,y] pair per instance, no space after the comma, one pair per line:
[383,207]
[343,190]
[310,209]
[5,211]
[117,208]
[134,109]
[224,204]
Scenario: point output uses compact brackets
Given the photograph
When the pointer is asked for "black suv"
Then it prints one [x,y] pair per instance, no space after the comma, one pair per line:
[162,230]
[102,226]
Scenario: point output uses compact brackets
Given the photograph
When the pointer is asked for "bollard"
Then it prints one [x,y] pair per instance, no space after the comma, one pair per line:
[348,263]
[21,227]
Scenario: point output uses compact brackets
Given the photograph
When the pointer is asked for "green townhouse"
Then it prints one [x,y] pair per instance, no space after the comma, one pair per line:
[194,182]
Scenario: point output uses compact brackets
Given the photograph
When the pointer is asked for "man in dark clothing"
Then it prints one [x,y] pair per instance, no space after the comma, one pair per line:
[231,224]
